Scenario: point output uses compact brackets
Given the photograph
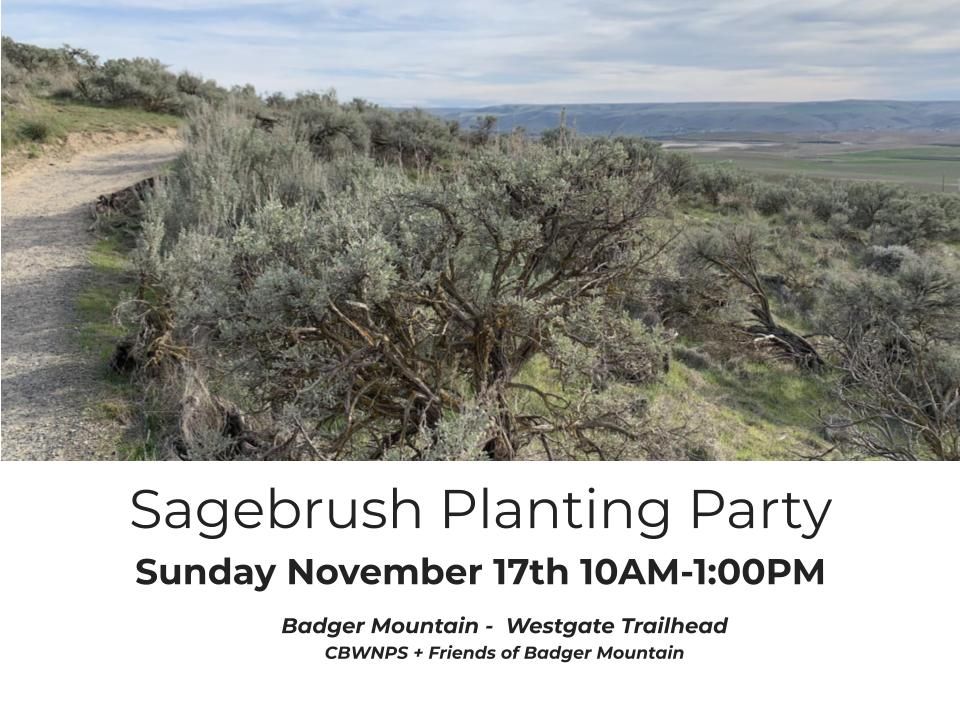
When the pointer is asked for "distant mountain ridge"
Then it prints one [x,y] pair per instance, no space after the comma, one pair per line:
[675,119]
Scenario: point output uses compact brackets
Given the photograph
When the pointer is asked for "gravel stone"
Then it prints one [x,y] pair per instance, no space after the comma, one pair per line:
[48,383]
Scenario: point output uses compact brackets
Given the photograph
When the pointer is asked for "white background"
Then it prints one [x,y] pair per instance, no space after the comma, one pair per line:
[81,639]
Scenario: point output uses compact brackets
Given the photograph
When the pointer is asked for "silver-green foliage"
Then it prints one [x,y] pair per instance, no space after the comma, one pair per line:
[229,168]
[357,313]
[897,332]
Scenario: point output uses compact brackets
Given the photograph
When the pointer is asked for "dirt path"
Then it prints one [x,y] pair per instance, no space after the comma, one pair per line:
[48,384]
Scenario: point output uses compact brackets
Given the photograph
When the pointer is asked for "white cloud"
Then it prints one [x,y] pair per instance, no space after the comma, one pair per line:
[497,51]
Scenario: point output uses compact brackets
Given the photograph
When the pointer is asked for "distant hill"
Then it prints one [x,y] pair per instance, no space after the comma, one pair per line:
[674,119]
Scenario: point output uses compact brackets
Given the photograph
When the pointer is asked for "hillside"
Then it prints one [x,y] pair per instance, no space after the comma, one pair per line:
[317,279]
[408,289]
[674,119]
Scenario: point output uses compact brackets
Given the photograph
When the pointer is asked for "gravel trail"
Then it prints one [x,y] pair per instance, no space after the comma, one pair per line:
[48,383]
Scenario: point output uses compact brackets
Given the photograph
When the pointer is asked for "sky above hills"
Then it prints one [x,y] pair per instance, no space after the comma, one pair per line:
[482,52]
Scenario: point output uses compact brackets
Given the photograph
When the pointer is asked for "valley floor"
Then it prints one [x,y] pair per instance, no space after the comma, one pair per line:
[927,162]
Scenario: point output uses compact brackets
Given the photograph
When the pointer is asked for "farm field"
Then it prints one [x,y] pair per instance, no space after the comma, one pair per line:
[930,167]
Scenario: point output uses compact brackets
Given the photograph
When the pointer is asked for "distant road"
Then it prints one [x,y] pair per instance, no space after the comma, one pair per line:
[47,383]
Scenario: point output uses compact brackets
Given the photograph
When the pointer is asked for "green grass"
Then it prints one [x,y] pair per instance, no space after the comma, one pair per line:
[774,394]
[99,333]
[35,130]
[757,411]
[113,281]
[929,168]
[45,121]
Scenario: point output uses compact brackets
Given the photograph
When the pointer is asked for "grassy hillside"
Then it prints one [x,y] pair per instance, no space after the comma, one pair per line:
[42,123]
[754,412]
[50,94]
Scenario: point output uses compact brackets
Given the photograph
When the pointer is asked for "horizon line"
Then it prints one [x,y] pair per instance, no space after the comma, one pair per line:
[465,106]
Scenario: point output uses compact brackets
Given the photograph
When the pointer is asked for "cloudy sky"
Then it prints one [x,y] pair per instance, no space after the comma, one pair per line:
[478,52]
